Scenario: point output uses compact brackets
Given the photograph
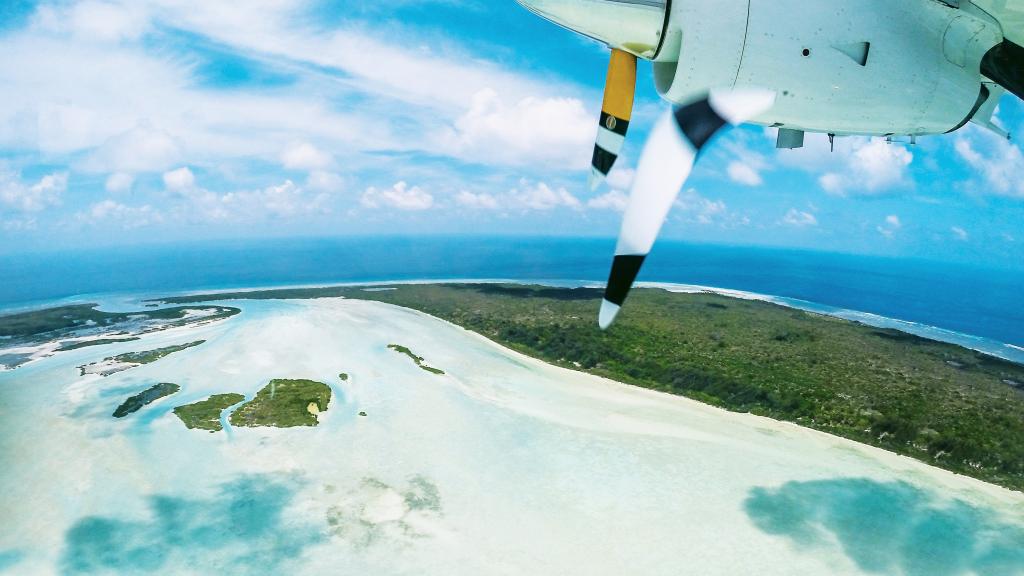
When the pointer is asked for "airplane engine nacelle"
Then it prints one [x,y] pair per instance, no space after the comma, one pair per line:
[636,26]
[876,67]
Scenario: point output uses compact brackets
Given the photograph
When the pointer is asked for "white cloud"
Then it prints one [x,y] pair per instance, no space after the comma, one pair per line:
[799,218]
[872,166]
[621,178]
[701,210]
[32,197]
[999,162]
[305,156]
[119,182]
[890,226]
[324,181]
[399,196]
[123,106]
[540,196]
[141,149]
[545,131]
[481,201]
[179,180]
[857,165]
[743,173]
[128,216]
[93,20]
[281,201]
[611,200]
[959,233]
[527,196]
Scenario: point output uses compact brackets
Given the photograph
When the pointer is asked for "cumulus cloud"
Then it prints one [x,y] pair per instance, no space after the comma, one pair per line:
[141,149]
[119,182]
[179,180]
[399,196]
[526,197]
[691,206]
[856,166]
[799,218]
[871,167]
[890,226]
[305,156]
[35,197]
[611,200]
[539,196]
[743,173]
[621,178]
[999,162]
[280,201]
[108,211]
[482,201]
[960,234]
[533,130]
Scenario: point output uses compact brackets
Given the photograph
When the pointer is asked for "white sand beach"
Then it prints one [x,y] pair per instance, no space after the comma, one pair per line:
[503,465]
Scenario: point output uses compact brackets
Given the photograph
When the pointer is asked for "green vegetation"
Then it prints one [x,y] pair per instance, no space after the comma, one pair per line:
[98,342]
[67,318]
[121,362]
[940,403]
[417,359]
[150,356]
[205,414]
[283,404]
[343,376]
[145,397]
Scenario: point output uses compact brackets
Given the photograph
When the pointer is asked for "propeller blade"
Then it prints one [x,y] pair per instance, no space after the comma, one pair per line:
[616,111]
[664,166]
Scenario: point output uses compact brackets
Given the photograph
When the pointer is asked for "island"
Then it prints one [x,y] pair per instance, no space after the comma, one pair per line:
[343,377]
[148,396]
[940,403]
[29,336]
[205,414]
[417,359]
[123,362]
[76,344]
[284,403]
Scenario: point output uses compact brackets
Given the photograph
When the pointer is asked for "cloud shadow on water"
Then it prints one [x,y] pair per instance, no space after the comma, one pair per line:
[890,527]
[241,529]
[8,558]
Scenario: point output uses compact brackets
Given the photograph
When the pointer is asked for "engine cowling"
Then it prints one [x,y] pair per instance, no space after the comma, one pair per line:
[872,67]
[636,26]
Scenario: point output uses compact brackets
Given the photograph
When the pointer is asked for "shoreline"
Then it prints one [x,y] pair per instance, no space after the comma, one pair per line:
[982,344]
[898,462]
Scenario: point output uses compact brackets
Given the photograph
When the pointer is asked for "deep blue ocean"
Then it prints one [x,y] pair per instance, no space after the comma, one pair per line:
[970,300]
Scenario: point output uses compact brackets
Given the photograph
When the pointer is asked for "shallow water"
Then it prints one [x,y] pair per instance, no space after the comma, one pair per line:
[501,466]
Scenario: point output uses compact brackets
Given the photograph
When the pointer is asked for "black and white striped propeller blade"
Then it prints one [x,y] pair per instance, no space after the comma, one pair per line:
[664,166]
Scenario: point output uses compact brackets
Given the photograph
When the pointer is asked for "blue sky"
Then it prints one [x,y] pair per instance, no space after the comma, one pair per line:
[167,120]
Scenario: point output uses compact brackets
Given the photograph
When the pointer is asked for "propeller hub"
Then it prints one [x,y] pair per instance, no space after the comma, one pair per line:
[635,26]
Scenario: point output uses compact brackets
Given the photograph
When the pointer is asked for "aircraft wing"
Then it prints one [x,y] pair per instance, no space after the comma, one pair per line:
[1009,14]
